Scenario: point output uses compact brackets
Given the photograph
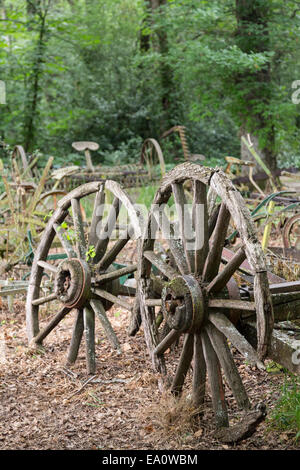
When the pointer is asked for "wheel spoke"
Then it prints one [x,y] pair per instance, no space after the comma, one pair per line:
[44,300]
[99,310]
[76,338]
[110,276]
[51,325]
[63,238]
[112,254]
[213,220]
[163,267]
[89,332]
[168,340]
[184,220]
[78,226]
[97,216]
[47,266]
[232,304]
[175,245]
[201,225]
[228,365]
[216,382]
[112,298]
[224,325]
[213,260]
[220,281]
[199,376]
[184,363]
[108,229]
[153,302]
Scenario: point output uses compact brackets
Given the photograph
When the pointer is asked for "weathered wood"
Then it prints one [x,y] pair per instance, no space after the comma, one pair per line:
[264,313]
[241,217]
[175,244]
[287,311]
[168,340]
[232,304]
[284,348]
[213,220]
[285,297]
[213,259]
[112,298]
[224,325]
[150,329]
[183,364]
[63,238]
[283,287]
[80,241]
[215,381]
[99,309]
[220,281]
[199,376]
[76,338]
[44,300]
[112,275]
[107,230]
[38,339]
[153,302]
[95,228]
[135,217]
[184,221]
[228,365]
[47,266]
[89,332]
[112,254]
[245,428]
[78,193]
[163,267]
[201,226]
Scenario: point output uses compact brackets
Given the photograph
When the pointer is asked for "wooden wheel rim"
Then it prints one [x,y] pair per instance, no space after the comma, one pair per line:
[91,283]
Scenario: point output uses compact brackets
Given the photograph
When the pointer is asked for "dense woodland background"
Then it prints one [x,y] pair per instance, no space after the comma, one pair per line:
[119,71]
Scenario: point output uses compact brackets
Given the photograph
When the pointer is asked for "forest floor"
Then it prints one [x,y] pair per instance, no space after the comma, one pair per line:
[46,406]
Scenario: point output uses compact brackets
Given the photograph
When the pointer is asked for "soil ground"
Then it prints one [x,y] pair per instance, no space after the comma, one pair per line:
[46,406]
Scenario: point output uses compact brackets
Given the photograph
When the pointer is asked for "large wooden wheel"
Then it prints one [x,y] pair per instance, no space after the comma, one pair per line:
[152,156]
[291,232]
[189,296]
[85,277]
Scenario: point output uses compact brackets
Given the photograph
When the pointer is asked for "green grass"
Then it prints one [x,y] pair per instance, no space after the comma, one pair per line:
[286,414]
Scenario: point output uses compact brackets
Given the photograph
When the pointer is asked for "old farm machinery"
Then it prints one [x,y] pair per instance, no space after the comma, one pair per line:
[195,300]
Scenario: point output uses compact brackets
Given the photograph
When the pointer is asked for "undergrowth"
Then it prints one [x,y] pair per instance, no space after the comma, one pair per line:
[173,418]
[286,414]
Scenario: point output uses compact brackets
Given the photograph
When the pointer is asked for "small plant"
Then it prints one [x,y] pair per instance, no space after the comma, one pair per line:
[286,414]
[90,253]
[69,233]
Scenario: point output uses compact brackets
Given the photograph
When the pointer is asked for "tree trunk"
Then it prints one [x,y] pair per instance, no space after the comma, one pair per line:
[252,35]
[31,105]
[166,75]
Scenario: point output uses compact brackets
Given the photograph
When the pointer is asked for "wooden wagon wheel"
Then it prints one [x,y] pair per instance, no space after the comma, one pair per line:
[191,289]
[151,155]
[21,167]
[20,163]
[86,280]
[291,232]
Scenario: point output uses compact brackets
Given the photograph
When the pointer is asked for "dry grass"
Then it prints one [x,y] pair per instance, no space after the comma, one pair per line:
[288,269]
[173,419]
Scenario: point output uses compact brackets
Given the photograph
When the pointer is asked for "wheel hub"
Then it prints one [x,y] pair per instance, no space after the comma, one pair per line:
[184,304]
[72,283]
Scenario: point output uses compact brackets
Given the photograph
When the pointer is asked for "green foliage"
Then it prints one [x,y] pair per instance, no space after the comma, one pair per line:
[78,71]
[286,414]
